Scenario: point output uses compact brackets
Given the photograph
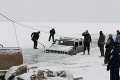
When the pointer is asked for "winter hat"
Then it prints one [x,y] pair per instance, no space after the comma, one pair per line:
[100,31]
[117,31]
[38,31]
[86,30]
[110,35]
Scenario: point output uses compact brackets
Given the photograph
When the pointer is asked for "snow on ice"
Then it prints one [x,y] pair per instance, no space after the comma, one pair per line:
[89,67]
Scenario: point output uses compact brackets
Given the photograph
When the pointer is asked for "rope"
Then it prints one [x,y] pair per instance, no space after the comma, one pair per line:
[16,34]
[42,44]
[25,25]
[30,26]
[39,43]
[1,45]
[33,28]
[42,26]
[6,18]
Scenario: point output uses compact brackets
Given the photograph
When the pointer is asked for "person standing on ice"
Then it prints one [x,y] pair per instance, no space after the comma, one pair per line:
[117,39]
[108,47]
[34,38]
[101,43]
[87,40]
[52,33]
[114,62]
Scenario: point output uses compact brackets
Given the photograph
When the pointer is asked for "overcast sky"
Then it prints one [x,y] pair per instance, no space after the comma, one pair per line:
[84,11]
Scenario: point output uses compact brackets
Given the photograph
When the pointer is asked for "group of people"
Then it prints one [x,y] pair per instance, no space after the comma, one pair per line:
[114,58]
[35,37]
[87,41]
[112,52]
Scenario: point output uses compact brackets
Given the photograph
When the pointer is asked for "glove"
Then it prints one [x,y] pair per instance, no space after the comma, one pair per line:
[108,69]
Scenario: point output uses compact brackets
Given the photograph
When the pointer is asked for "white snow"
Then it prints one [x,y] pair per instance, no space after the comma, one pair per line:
[87,66]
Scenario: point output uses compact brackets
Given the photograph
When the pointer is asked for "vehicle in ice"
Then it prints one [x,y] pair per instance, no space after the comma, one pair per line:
[66,45]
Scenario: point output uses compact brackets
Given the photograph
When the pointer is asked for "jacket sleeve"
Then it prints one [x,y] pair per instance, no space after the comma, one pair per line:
[112,60]
[90,38]
[54,32]
[103,38]
[108,41]
[32,35]
[117,39]
[83,34]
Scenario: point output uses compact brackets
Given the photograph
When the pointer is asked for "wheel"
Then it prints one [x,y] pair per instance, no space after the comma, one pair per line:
[70,53]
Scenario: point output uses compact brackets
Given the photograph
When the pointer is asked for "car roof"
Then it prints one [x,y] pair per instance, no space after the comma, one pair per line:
[70,38]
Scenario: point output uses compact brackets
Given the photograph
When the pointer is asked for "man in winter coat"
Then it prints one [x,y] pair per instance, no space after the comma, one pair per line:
[114,62]
[101,42]
[35,37]
[52,33]
[117,39]
[108,47]
[87,40]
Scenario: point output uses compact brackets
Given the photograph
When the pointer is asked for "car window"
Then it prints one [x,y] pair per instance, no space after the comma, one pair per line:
[80,43]
[76,44]
[64,42]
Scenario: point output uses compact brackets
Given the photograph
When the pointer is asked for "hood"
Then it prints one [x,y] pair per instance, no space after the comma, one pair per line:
[60,47]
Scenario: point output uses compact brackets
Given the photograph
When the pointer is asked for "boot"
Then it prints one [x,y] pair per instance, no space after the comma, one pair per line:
[35,47]
[88,53]
[84,53]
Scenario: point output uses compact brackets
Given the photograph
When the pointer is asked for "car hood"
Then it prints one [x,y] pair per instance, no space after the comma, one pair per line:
[60,47]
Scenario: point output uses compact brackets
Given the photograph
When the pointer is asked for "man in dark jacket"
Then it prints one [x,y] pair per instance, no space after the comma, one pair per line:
[101,43]
[35,37]
[108,47]
[52,33]
[87,40]
[114,62]
[117,39]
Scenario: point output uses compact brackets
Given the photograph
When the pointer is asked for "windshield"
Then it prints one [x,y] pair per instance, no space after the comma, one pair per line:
[64,42]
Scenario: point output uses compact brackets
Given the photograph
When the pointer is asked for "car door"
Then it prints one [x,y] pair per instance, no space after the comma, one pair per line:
[81,46]
[77,47]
